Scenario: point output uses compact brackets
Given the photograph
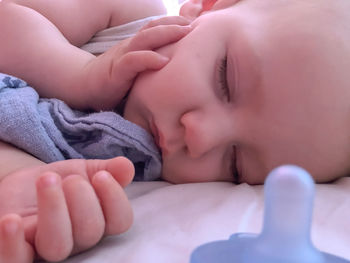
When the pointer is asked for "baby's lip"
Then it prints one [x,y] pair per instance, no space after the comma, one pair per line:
[158,137]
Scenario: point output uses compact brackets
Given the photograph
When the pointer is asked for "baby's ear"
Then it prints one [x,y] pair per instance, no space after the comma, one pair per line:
[221,4]
[191,9]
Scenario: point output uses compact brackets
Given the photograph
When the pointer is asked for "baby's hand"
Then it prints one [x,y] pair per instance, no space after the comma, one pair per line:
[13,246]
[76,203]
[111,75]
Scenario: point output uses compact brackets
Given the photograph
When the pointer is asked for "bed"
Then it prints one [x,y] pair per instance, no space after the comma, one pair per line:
[172,220]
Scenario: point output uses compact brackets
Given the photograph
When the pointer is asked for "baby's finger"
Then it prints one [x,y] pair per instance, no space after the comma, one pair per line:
[115,204]
[13,246]
[167,20]
[85,212]
[53,238]
[156,37]
[120,167]
[135,62]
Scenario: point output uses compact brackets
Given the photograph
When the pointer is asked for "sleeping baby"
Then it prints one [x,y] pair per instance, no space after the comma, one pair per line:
[226,92]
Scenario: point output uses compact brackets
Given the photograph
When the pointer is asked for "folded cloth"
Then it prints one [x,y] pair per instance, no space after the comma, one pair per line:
[108,37]
[51,131]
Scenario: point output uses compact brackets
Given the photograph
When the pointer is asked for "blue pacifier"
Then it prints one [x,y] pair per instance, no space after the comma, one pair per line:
[285,236]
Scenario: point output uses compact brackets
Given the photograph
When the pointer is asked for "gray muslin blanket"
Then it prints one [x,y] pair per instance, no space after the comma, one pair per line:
[51,131]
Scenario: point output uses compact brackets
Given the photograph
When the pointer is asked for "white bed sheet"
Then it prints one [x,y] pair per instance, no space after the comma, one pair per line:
[172,220]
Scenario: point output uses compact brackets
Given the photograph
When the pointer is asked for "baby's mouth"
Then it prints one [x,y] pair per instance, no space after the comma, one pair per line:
[155,133]
[158,138]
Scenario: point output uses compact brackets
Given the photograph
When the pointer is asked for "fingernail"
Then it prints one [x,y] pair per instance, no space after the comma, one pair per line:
[164,59]
[11,227]
[49,180]
[187,28]
[102,176]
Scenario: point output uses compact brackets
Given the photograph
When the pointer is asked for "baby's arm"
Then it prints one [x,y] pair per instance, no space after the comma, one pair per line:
[34,49]
[40,39]
[76,201]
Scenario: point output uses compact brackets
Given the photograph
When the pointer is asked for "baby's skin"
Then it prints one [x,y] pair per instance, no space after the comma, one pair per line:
[59,209]
[79,75]
[75,201]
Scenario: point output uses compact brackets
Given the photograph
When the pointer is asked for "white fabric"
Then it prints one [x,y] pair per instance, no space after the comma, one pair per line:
[172,220]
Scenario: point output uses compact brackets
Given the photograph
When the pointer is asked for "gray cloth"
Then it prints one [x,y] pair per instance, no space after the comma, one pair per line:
[51,131]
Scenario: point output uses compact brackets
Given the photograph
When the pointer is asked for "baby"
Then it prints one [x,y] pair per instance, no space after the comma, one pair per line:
[249,85]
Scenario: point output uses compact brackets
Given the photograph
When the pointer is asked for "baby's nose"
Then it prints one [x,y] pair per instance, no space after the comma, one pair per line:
[203,133]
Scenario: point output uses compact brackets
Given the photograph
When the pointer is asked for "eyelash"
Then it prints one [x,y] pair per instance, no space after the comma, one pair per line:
[226,94]
[223,79]
[234,170]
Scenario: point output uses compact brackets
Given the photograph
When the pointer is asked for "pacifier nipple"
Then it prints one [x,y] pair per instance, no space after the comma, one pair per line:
[285,237]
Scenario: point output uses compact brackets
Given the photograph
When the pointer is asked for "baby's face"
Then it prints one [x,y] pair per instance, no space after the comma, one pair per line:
[248,89]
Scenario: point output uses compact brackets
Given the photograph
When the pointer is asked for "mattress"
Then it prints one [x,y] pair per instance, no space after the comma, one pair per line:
[170,221]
